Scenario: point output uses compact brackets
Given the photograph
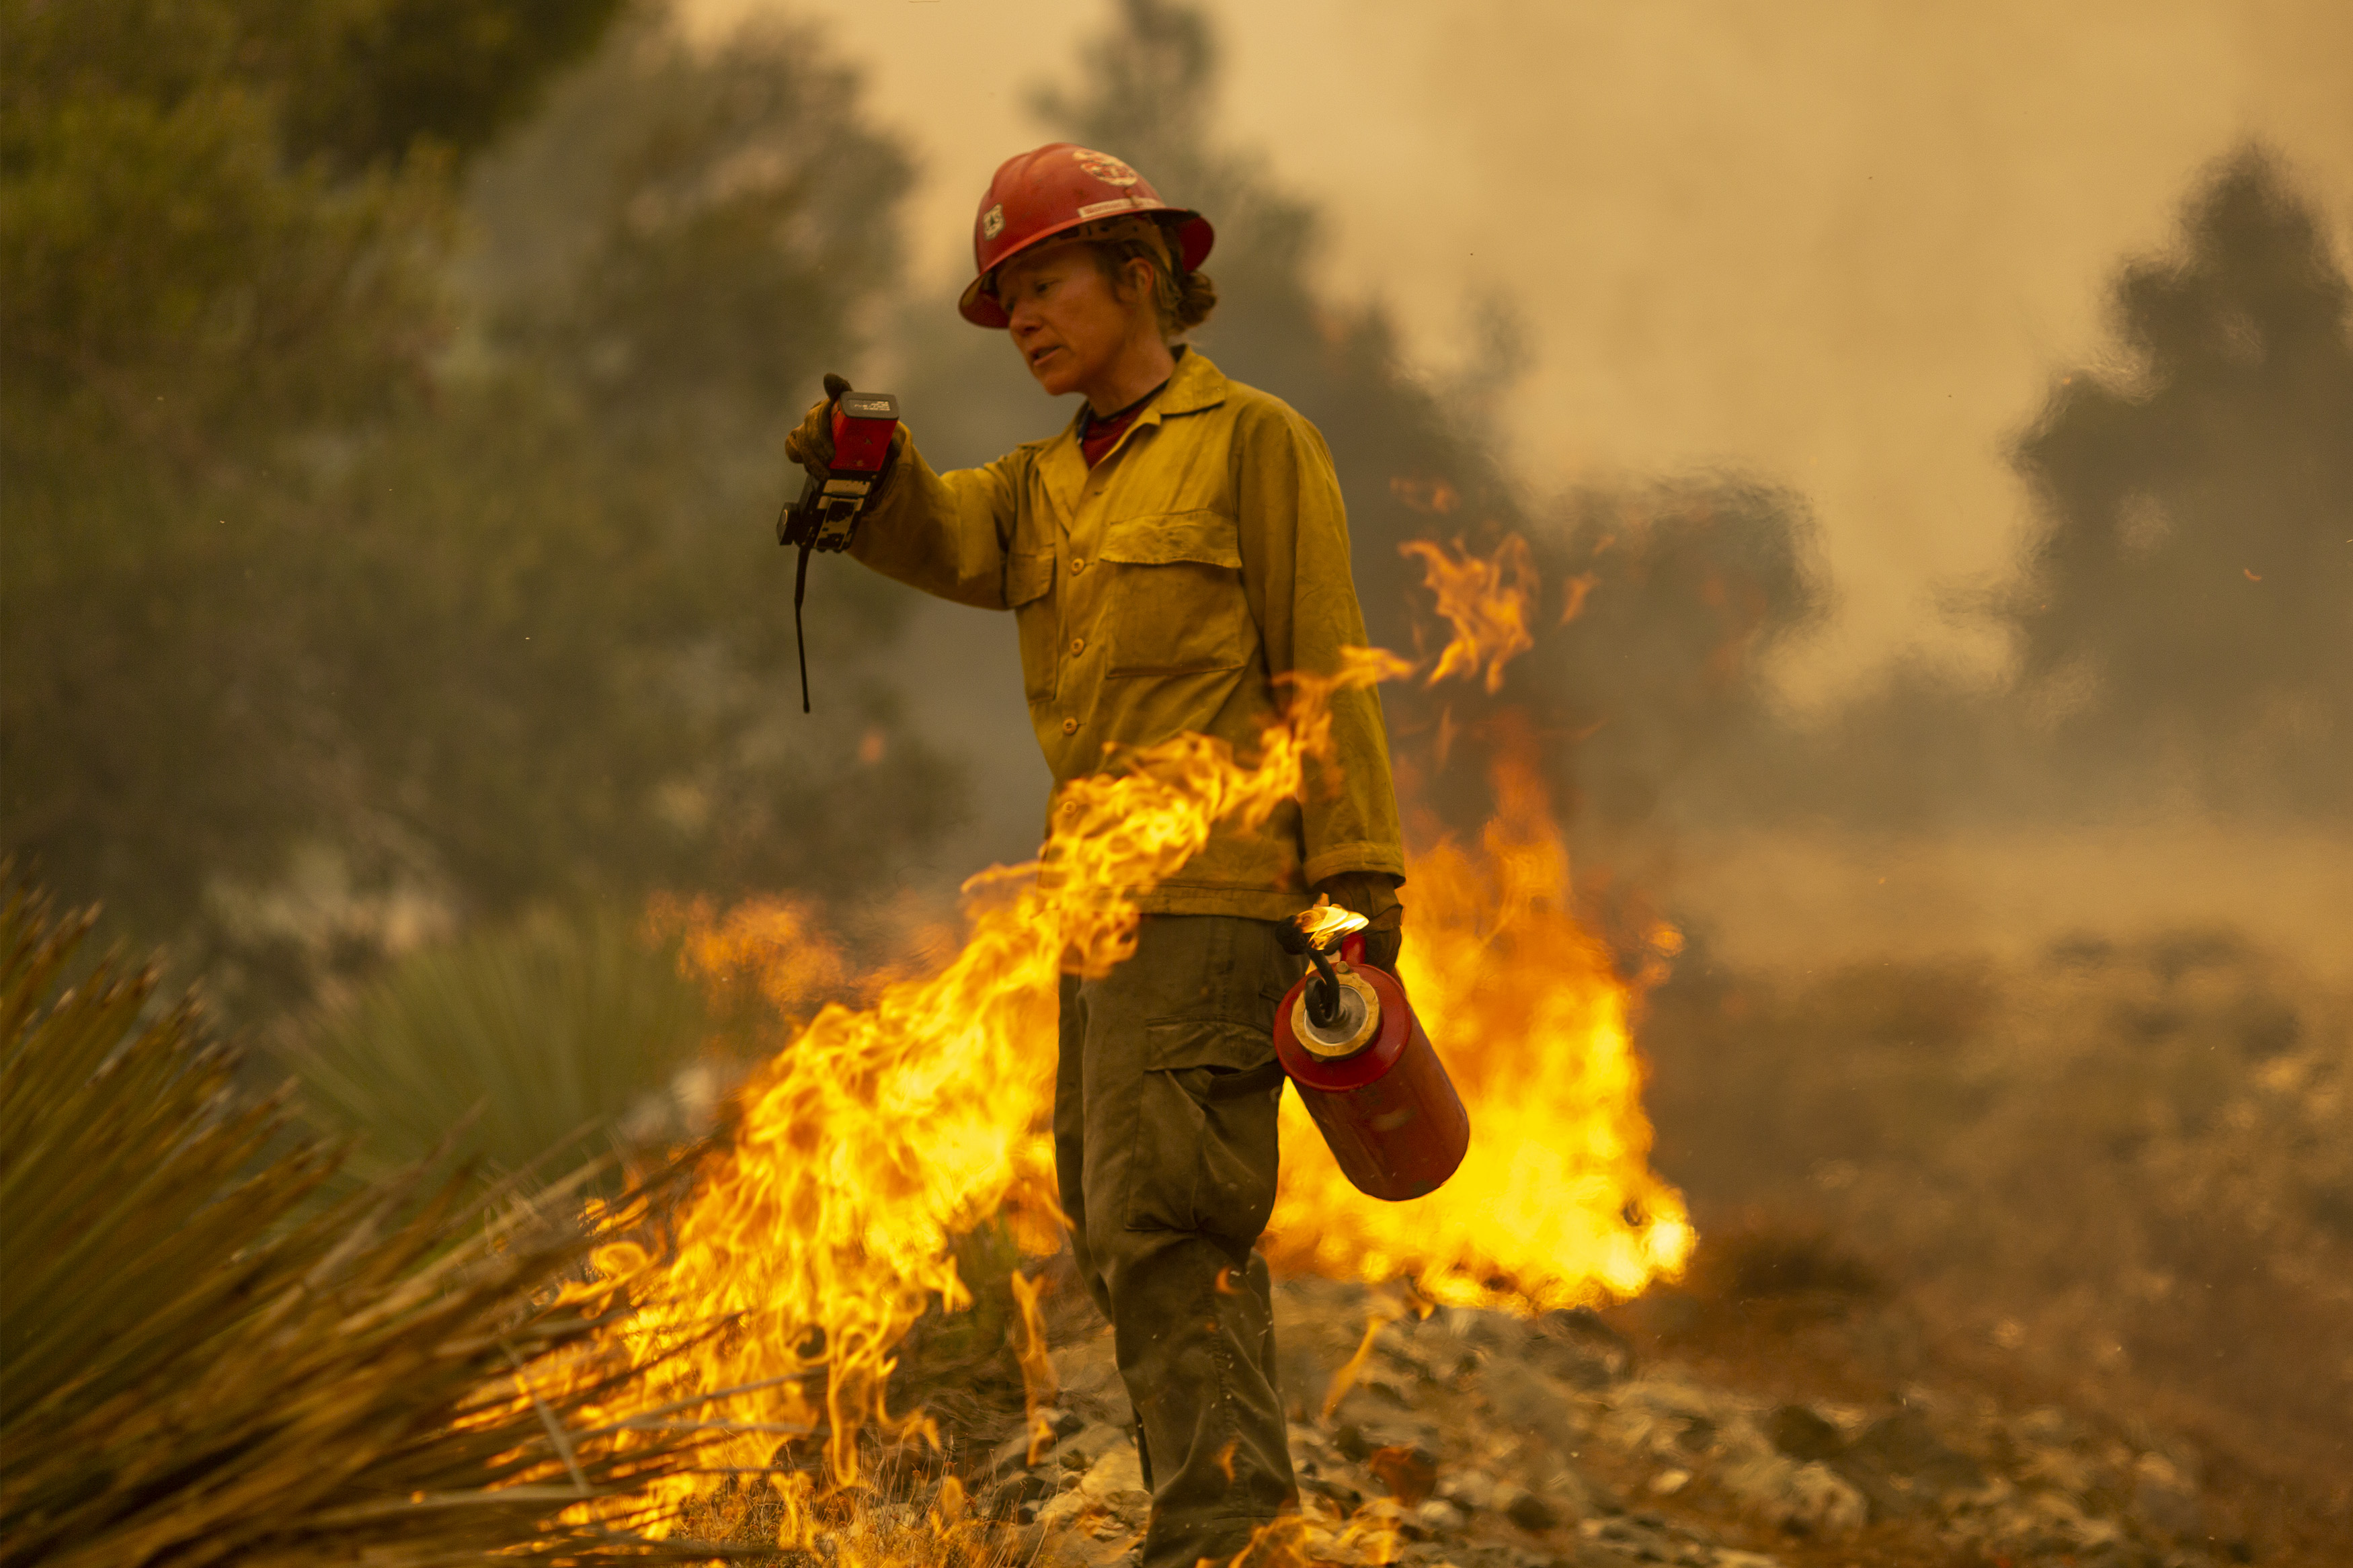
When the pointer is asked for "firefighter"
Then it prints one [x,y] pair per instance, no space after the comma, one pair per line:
[1177,548]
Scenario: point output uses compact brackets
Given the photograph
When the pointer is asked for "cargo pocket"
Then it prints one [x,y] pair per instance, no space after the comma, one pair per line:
[1028,576]
[1205,1142]
[1176,605]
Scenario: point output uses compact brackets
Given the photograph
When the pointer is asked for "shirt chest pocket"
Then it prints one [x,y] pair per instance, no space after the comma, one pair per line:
[1176,605]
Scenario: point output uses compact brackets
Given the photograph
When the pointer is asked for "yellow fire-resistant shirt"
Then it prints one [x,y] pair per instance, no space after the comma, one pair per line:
[1160,591]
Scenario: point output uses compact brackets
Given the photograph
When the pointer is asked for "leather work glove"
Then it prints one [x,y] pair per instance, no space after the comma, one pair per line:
[811,444]
[1372,894]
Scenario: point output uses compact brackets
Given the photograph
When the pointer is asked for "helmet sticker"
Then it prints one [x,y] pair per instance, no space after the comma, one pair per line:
[1104,167]
[992,222]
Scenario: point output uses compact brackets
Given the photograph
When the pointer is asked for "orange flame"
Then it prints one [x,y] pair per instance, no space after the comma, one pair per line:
[1344,1379]
[1327,922]
[1554,1206]
[815,1240]
[778,944]
[1487,602]
[1039,1385]
[812,1243]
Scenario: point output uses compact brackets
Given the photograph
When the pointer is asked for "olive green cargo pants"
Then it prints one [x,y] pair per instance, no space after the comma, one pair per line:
[1165,1152]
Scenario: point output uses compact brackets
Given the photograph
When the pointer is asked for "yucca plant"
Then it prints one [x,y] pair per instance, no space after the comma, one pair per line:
[524,1048]
[203,1362]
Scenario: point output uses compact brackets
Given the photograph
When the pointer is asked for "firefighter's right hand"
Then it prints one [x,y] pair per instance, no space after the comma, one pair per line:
[811,445]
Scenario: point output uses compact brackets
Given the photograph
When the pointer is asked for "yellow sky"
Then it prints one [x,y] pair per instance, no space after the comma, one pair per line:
[1841,243]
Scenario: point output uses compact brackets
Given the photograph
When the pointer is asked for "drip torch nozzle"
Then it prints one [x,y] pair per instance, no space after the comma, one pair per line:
[1311,932]
[1324,996]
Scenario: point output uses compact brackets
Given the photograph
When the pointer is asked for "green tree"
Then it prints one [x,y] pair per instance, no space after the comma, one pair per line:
[2191,568]
[389,475]
[183,302]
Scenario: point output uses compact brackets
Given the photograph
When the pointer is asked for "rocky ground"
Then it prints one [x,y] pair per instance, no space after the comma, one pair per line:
[1485,1440]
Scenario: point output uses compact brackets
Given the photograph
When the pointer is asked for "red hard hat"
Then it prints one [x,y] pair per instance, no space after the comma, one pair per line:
[1036,195]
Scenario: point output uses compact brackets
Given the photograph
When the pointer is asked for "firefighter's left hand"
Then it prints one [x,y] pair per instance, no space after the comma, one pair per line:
[1372,894]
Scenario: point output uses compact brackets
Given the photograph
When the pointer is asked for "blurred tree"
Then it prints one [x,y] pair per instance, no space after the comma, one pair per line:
[1653,661]
[470,585]
[181,303]
[1683,586]
[1146,90]
[2190,575]
[453,72]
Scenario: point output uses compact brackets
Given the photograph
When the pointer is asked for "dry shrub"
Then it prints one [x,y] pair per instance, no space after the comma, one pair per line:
[204,1361]
[2122,1168]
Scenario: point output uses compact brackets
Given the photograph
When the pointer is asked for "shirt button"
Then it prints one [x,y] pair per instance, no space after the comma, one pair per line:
[1076,566]
[1078,644]
[1070,726]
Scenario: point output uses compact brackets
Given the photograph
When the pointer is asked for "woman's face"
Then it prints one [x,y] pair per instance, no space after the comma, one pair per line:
[1068,323]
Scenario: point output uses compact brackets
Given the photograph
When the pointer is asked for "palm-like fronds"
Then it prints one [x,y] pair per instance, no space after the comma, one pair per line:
[527,1046]
[197,1365]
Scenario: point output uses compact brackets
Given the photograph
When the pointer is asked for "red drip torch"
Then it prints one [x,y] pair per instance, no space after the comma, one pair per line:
[826,517]
[1350,1041]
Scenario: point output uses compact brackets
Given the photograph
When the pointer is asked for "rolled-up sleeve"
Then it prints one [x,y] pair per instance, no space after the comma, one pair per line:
[1294,530]
[945,533]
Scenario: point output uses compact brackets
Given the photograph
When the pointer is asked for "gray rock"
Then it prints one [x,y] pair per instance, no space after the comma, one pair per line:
[1439,1516]
[1472,1491]
[1631,1537]
[1532,1513]
[1092,1441]
[1581,1350]
[1524,1400]
[1007,1499]
[2165,1500]
[1089,1379]
[1902,1447]
[1359,1440]
[1597,1554]
[1802,1434]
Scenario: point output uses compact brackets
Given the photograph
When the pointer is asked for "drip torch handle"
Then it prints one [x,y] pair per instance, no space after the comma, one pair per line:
[1323,996]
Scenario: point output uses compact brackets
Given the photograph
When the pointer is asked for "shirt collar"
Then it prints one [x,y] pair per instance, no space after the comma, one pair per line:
[1194,385]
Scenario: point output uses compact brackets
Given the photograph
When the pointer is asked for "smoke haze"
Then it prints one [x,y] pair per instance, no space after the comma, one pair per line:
[1923,436]
[1842,244]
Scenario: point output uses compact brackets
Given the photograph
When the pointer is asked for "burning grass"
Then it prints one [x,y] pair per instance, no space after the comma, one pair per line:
[877,1135]
[728,1367]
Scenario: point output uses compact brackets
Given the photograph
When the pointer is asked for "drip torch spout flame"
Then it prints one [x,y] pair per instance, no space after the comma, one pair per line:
[1324,923]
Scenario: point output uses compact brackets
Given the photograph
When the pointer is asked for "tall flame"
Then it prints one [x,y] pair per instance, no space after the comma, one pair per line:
[814,1239]
[1487,602]
[1554,1206]
[818,1237]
